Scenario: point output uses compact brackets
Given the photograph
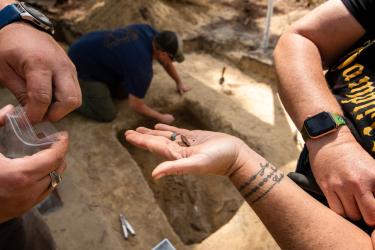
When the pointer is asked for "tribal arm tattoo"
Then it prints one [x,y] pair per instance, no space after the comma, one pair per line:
[256,192]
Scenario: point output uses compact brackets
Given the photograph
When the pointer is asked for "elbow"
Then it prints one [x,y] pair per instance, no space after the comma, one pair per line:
[277,49]
[285,41]
[280,54]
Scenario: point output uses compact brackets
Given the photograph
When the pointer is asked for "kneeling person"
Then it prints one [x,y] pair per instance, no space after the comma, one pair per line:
[118,63]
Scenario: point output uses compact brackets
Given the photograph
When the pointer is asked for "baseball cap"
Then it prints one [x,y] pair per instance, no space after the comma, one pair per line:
[170,42]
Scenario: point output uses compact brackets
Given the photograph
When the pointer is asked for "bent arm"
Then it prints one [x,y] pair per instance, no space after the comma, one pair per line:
[295,219]
[315,41]
[318,40]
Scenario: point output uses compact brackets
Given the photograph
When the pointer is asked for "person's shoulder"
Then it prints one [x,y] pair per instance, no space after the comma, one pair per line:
[94,38]
[92,35]
[144,27]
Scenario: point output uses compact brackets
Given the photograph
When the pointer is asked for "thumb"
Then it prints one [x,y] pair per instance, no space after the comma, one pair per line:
[191,165]
[8,108]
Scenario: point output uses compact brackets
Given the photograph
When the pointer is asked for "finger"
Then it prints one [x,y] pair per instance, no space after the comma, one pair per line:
[66,93]
[42,163]
[39,93]
[145,141]
[366,204]
[191,165]
[61,169]
[350,205]
[44,188]
[3,112]
[154,144]
[34,194]
[165,127]
[130,131]
[15,84]
[166,134]
[44,184]
[334,202]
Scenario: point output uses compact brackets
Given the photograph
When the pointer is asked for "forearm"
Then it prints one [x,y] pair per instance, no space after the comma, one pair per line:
[144,109]
[172,72]
[302,86]
[294,218]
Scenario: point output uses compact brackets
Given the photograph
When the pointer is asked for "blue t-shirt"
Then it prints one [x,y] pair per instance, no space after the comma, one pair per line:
[122,56]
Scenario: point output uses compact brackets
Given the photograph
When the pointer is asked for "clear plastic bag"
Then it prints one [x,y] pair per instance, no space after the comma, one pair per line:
[19,138]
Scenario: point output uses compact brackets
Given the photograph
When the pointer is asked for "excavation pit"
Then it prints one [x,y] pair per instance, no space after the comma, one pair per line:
[196,206]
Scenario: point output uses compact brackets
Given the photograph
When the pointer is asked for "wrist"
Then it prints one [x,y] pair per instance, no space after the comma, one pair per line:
[244,161]
[18,25]
[250,167]
[341,136]
[14,29]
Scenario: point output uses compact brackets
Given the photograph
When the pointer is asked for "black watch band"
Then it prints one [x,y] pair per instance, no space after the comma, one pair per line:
[321,124]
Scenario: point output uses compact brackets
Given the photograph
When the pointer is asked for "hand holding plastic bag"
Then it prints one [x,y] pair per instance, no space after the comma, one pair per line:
[25,181]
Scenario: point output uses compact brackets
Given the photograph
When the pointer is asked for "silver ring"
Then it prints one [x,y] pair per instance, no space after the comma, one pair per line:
[55,179]
[173,136]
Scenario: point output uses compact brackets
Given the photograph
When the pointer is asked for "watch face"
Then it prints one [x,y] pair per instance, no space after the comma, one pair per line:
[319,124]
[37,14]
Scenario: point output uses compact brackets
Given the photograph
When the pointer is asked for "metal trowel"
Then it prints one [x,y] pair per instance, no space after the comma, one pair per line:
[222,79]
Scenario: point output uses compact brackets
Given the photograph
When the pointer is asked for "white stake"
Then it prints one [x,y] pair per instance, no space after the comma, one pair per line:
[267,25]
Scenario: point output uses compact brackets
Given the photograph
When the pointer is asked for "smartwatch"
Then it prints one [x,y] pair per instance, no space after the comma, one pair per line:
[23,12]
[321,124]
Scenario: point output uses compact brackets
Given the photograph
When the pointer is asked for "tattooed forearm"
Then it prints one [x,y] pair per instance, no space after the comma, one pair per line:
[276,180]
[261,183]
[261,189]
[252,178]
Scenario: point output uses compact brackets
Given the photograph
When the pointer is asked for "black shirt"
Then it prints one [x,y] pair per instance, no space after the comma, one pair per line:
[352,79]
[364,12]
